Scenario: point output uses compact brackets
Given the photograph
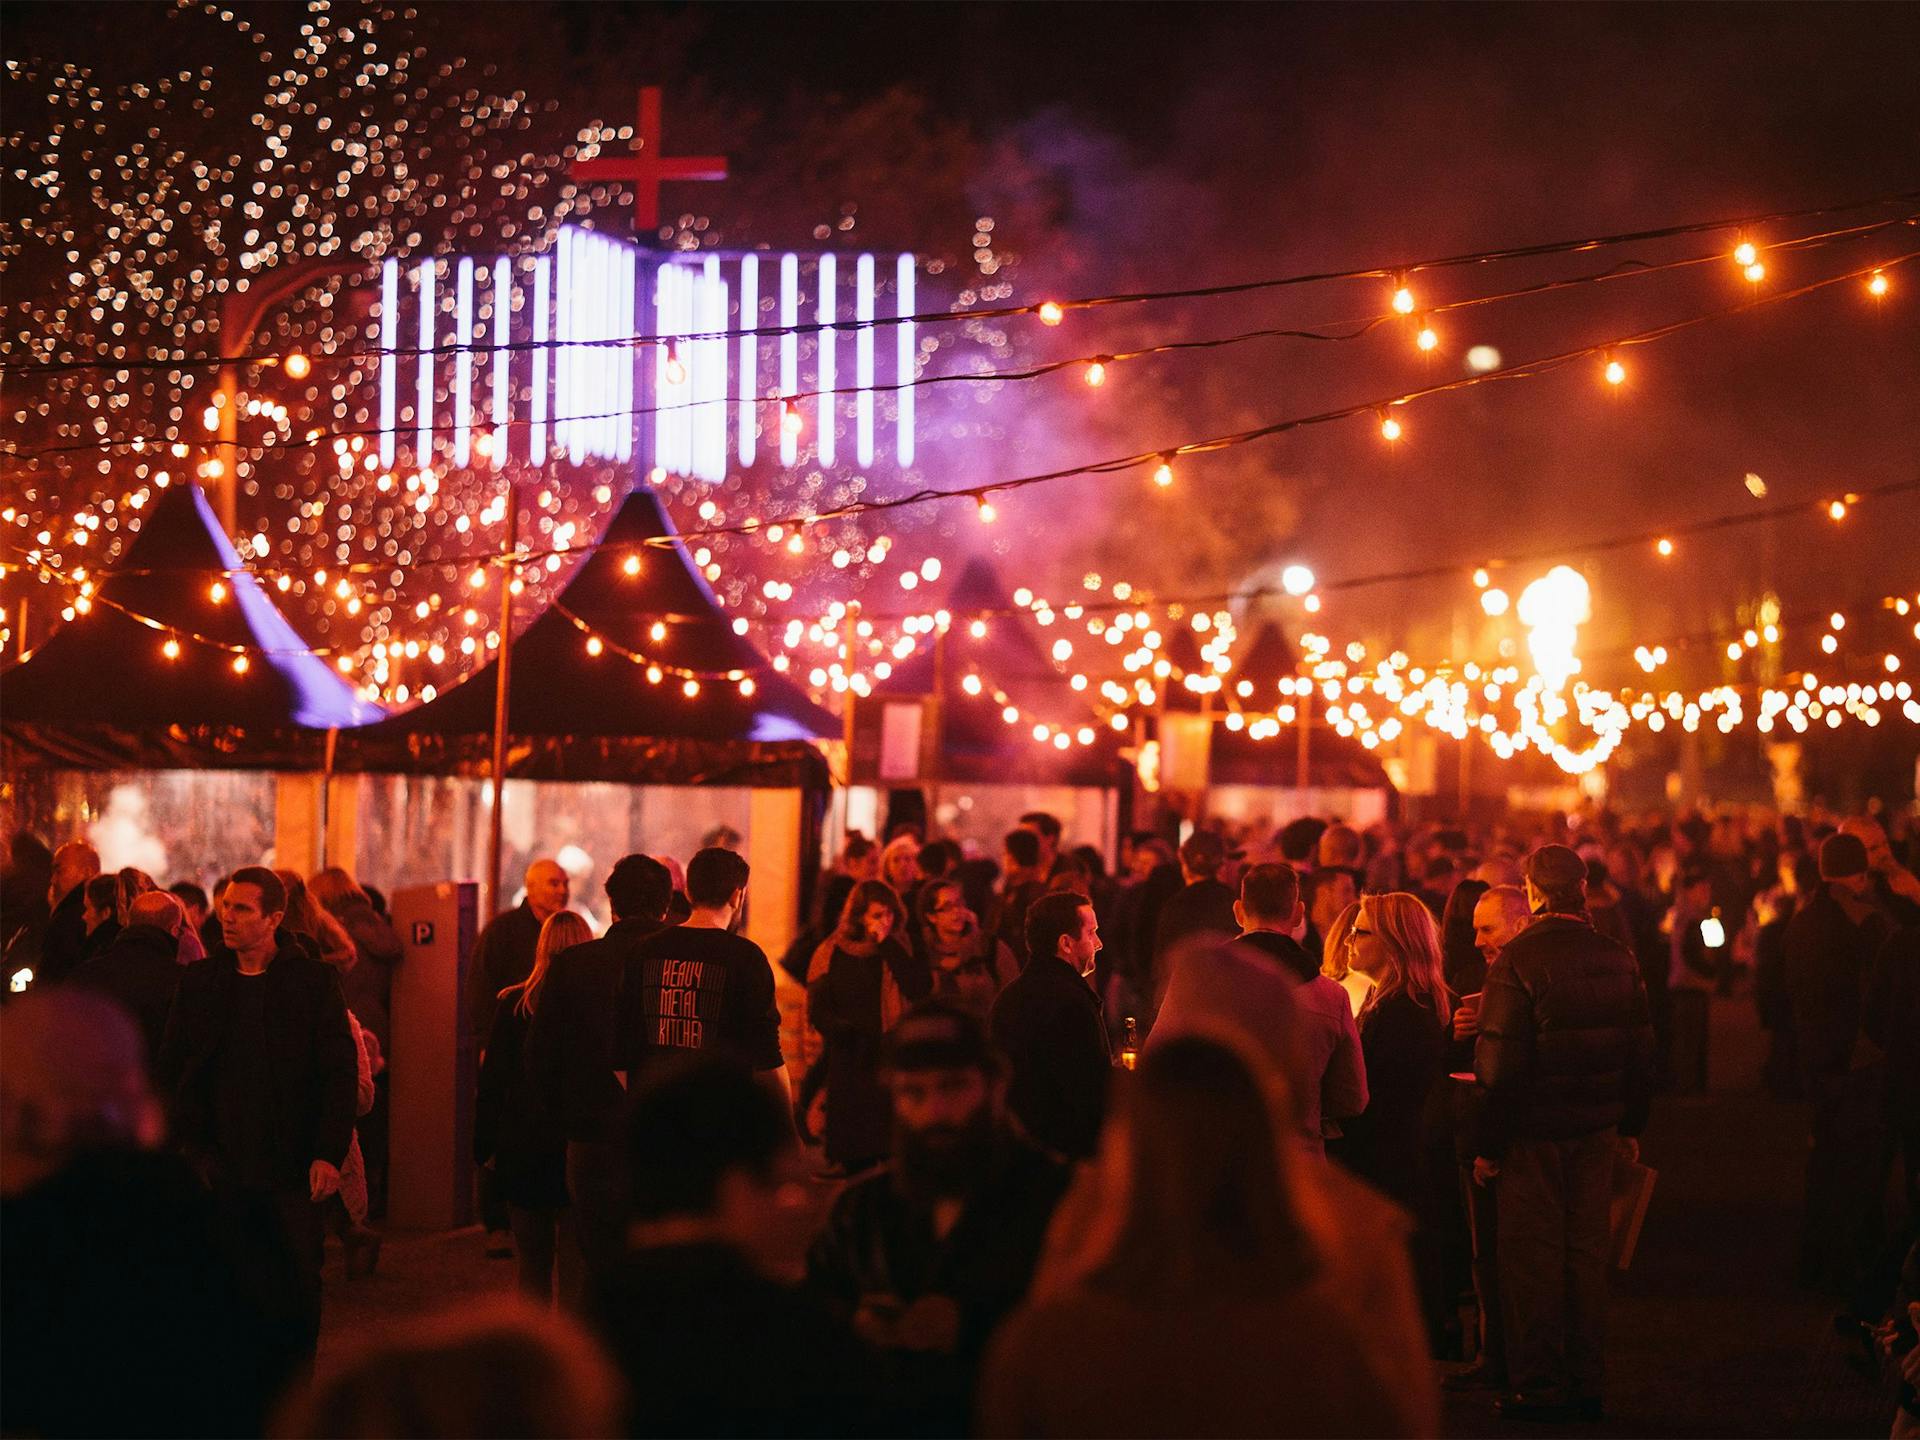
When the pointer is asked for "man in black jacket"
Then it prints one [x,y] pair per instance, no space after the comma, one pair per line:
[141,967]
[74,864]
[1565,1058]
[260,1067]
[503,956]
[927,1255]
[1048,1025]
[571,1057]
[1831,946]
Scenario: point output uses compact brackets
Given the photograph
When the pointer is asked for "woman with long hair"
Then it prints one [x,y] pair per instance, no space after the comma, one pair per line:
[966,964]
[515,1138]
[1460,958]
[1200,1253]
[1336,962]
[862,979]
[1403,1037]
[308,921]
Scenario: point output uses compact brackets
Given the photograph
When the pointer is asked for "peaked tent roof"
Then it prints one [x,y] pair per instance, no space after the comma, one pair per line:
[977,745]
[1334,761]
[101,693]
[578,716]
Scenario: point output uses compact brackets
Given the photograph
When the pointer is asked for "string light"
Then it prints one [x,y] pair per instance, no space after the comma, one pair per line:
[1402,299]
[1837,510]
[1390,428]
[297,365]
[1051,313]
[1428,338]
[241,664]
[1664,547]
[1163,475]
[1615,372]
[1877,284]
[630,566]
[1096,372]
[1744,254]
[986,511]
[171,649]
[217,592]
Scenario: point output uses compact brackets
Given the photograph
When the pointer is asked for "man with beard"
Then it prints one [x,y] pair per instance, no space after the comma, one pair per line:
[929,1253]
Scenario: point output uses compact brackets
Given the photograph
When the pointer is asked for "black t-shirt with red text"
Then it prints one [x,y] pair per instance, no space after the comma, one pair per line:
[696,988]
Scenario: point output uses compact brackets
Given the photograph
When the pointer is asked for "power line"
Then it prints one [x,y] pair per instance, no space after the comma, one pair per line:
[947,317]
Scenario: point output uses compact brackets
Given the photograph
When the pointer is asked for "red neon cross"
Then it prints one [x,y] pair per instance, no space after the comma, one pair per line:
[646,167]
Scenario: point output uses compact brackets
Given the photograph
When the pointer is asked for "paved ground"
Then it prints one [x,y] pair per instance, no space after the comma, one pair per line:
[1708,1335]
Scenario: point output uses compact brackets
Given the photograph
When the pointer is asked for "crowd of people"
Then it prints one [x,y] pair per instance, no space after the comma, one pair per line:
[1241,1136]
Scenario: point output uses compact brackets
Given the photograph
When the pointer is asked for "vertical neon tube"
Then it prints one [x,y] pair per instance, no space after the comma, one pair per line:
[463,365]
[537,432]
[749,355]
[829,338]
[423,394]
[623,356]
[563,353]
[903,364]
[710,375]
[863,360]
[789,352]
[389,340]
[502,379]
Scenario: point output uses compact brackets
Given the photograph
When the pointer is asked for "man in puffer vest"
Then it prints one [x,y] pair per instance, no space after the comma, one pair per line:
[1565,1058]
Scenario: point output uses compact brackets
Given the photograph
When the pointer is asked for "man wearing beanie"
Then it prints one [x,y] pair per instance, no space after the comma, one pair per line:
[1830,946]
[1565,1058]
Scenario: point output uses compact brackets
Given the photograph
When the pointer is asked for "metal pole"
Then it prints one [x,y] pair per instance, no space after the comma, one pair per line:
[1302,773]
[848,635]
[326,795]
[502,692]
[936,727]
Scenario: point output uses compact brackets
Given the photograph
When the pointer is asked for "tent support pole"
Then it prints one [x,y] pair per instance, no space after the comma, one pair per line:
[1303,763]
[502,691]
[326,795]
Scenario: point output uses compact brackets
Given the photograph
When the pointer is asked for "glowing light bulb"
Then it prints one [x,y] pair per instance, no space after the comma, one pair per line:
[1481,578]
[1403,300]
[297,366]
[1756,272]
[1097,373]
[747,686]
[240,665]
[987,513]
[1829,644]
[1837,510]
[594,645]
[658,632]
[210,417]
[217,591]
[1664,547]
[1744,254]
[676,372]
[690,689]
[1163,475]
[1877,284]
[1495,602]
[1296,580]
[1051,313]
[1390,429]
[631,565]
[1428,338]
[171,649]
[1837,621]
[478,578]
[1615,372]
[790,420]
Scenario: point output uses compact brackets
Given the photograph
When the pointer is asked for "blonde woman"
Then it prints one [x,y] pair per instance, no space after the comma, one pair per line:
[1394,943]
[518,1141]
[1336,958]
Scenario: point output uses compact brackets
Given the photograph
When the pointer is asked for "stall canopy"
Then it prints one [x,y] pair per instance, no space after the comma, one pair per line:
[1334,761]
[923,725]
[594,695]
[103,693]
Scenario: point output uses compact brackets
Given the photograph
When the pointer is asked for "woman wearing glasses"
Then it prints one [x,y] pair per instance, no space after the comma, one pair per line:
[968,965]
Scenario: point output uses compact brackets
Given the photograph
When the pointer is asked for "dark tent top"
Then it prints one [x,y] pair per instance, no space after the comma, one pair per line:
[624,713]
[976,744]
[1334,761]
[102,692]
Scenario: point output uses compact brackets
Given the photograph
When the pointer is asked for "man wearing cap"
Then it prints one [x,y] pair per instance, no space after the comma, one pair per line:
[1565,1061]
[1830,947]
[928,1254]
